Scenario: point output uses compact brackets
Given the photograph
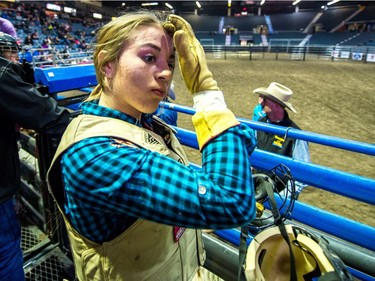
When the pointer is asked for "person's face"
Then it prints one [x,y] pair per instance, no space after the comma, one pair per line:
[272,108]
[143,75]
[10,55]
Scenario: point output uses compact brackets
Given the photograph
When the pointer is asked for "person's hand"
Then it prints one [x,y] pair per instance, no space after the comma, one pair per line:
[191,56]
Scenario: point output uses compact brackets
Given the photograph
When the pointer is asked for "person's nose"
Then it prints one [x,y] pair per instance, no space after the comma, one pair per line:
[165,73]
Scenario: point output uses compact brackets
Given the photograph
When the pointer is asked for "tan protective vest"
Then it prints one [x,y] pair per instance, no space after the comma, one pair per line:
[146,250]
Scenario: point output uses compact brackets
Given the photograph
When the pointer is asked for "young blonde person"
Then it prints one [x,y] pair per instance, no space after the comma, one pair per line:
[133,207]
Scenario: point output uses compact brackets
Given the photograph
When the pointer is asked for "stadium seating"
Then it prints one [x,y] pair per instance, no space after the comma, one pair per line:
[277,27]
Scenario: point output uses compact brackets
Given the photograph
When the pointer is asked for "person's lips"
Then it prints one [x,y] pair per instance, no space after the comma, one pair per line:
[159,92]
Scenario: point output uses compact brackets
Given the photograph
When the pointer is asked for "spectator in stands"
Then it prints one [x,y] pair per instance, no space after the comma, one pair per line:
[83,45]
[131,203]
[25,56]
[28,40]
[35,38]
[275,100]
[65,54]
[45,44]
[4,14]
[7,27]
[169,116]
[21,104]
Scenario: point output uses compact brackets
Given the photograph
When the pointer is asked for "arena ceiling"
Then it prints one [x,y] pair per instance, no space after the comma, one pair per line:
[220,7]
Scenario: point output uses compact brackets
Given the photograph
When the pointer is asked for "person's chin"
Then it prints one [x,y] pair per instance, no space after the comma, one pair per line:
[151,109]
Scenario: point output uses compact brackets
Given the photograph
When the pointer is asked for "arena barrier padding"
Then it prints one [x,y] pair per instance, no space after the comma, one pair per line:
[62,79]
[352,241]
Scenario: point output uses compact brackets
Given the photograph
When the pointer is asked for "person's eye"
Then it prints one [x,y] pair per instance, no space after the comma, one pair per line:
[171,66]
[149,58]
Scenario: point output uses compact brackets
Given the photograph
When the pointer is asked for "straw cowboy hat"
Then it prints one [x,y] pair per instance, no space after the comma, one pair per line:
[278,93]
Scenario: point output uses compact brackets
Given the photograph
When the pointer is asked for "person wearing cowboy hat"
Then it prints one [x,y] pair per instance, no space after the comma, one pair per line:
[275,100]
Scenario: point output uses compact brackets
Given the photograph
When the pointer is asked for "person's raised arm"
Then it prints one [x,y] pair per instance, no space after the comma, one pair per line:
[221,137]
[212,117]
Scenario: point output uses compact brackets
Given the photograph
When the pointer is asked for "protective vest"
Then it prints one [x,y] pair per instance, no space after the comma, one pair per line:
[282,145]
[146,250]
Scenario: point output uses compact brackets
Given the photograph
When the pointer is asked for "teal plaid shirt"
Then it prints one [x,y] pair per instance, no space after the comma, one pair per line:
[109,186]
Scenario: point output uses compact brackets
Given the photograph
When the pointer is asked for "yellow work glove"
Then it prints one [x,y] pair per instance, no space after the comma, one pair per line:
[212,117]
[212,123]
[191,57]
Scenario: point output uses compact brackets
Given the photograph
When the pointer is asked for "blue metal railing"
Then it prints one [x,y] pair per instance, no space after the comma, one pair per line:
[331,141]
[346,184]
[354,235]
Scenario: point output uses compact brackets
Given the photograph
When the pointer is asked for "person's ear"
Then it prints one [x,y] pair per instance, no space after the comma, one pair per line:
[109,68]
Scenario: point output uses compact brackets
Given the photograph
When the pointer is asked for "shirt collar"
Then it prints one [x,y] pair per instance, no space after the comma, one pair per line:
[93,108]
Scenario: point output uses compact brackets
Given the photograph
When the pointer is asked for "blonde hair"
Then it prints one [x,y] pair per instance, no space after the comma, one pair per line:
[113,38]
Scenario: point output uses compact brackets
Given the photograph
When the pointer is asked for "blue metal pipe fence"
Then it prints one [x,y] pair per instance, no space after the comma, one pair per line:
[354,242]
[346,184]
[331,141]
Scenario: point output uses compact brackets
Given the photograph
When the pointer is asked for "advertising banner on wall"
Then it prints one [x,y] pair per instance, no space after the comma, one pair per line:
[370,58]
[340,54]
[345,54]
[357,56]
[335,54]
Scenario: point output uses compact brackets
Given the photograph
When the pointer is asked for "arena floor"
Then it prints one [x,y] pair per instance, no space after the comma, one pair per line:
[332,98]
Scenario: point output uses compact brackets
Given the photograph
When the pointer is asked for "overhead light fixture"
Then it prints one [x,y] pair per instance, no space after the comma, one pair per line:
[332,2]
[296,2]
[169,5]
[97,16]
[69,10]
[150,4]
[229,3]
[262,2]
[53,7]
[198,4]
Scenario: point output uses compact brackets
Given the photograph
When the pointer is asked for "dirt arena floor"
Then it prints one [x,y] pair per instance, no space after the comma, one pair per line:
[332,98]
